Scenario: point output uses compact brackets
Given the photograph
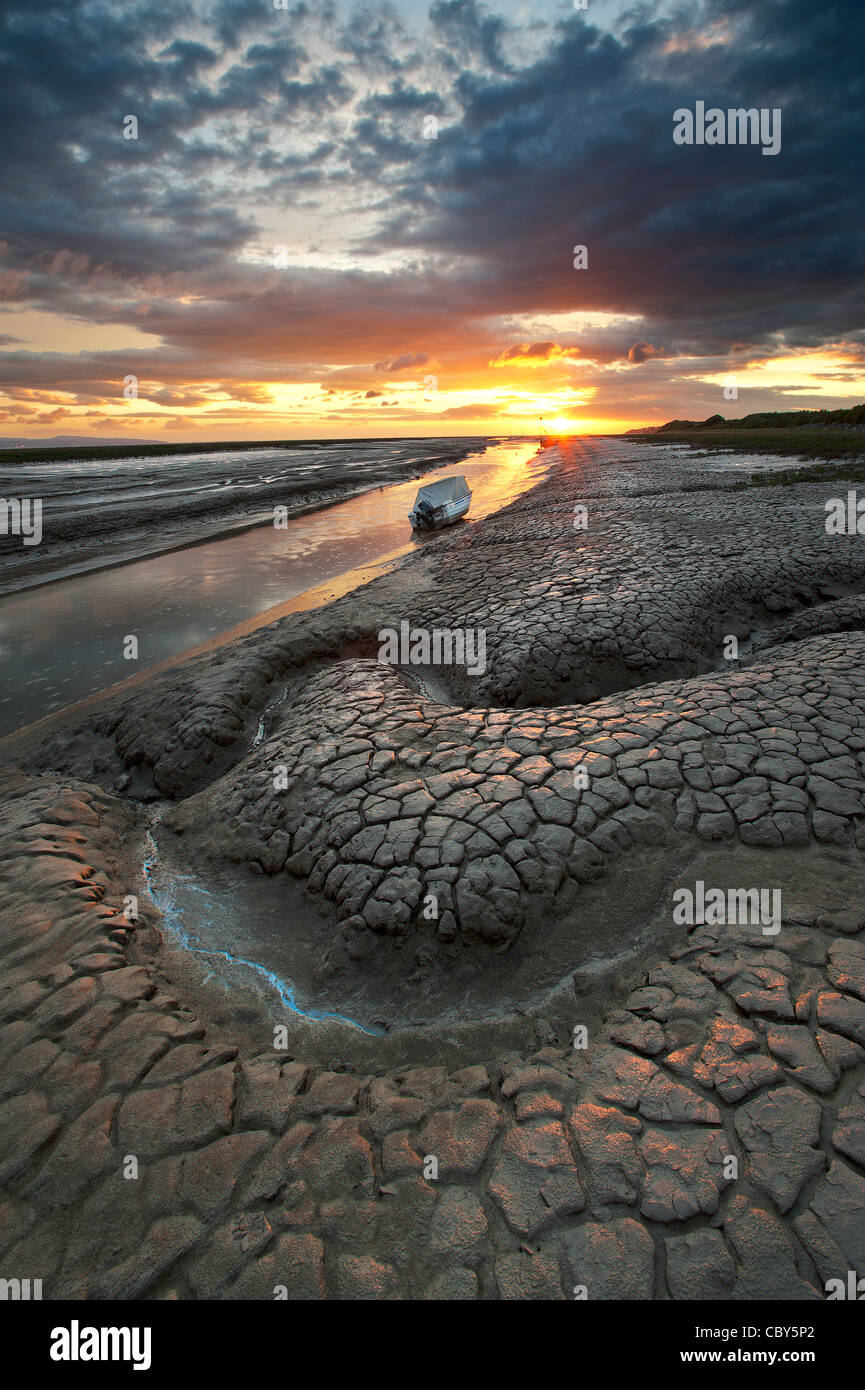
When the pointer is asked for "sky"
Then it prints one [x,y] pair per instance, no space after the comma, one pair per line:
[241,219]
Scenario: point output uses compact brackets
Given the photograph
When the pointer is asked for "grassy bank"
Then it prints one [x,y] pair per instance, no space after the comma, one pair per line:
[806,443]
[843,451]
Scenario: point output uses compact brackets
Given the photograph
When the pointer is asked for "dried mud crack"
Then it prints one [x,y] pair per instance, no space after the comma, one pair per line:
[707,1143]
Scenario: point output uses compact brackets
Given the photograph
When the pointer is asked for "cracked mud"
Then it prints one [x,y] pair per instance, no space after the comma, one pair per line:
[708,1142]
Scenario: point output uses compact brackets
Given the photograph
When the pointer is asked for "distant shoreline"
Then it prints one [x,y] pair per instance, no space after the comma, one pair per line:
[99,452]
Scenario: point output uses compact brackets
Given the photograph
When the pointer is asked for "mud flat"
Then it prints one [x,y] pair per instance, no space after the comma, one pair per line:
[98,512]
[474,869]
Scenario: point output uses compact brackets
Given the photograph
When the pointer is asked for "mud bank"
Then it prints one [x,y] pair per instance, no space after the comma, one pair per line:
[414,848]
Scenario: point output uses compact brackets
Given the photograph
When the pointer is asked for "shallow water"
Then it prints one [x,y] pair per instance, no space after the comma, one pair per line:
[65,641]
[212,924]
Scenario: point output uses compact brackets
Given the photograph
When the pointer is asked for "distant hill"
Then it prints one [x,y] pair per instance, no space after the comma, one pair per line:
[70,441]
[771,420]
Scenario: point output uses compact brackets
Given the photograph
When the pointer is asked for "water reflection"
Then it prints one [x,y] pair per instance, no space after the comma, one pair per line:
[64,641]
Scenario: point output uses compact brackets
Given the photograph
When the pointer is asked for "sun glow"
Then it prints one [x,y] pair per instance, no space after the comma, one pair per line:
[822,373]
[562,426]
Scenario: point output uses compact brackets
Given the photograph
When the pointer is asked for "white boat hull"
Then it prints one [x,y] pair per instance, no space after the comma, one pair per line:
[444,515]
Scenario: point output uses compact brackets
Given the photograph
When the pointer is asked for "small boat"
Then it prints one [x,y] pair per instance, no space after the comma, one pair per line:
[440,503]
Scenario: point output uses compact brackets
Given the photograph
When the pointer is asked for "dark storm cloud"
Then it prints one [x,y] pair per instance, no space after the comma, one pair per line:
[235,20]
[720,241]
[641,352]
[466,30]
[375,40]
[714,250]
[70,180]
[188,57]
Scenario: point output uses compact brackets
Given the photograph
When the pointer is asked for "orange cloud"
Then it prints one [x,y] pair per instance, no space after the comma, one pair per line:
[533,354]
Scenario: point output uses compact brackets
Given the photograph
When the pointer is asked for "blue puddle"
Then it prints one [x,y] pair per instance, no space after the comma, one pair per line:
[182,895]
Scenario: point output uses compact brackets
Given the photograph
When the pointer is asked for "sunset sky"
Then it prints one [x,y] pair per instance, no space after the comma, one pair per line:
[285,252]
